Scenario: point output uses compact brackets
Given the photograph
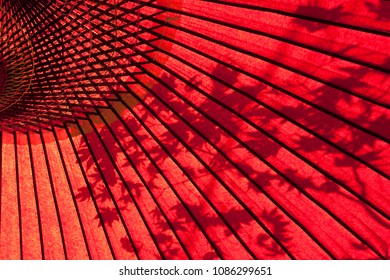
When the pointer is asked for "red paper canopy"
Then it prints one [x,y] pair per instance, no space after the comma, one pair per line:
[183,129]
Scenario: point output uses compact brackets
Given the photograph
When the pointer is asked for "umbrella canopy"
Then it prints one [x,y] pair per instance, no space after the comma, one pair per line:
[183,129]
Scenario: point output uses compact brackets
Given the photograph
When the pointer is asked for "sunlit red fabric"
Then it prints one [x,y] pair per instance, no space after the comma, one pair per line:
[183,129]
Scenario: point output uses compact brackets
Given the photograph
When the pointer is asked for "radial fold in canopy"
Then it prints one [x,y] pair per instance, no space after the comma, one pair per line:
[183,129]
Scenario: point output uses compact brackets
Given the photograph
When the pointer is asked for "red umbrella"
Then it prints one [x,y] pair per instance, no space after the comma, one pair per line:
[176,129]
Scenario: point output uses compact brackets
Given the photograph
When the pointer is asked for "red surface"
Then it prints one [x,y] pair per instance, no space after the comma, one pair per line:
[239,130]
